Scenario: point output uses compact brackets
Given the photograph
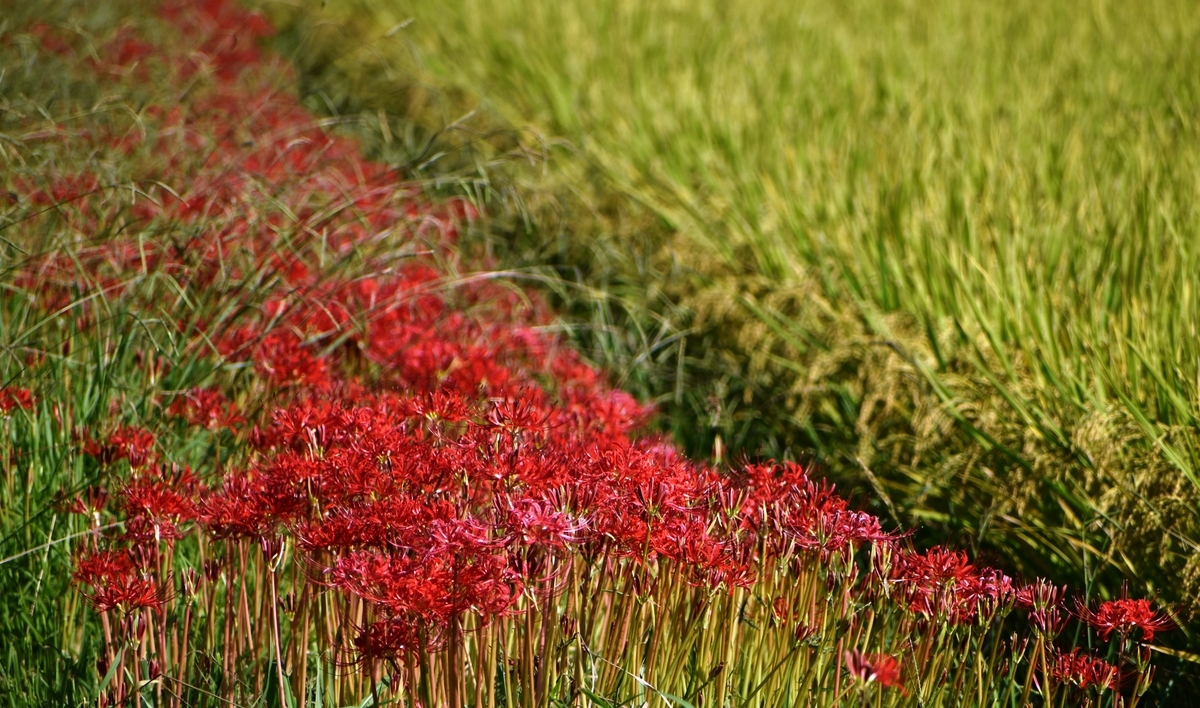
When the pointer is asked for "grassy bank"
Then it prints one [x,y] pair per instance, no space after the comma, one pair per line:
[948,248]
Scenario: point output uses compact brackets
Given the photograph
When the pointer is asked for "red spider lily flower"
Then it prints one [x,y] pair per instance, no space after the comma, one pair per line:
[125,50]
[539,524]
[1043,601]
[142,531]
[386,523]
[1084,670]
[156,506]
[525,412]
[114,582]
[779,608]
[90,503]
[160,498]
[1124,616]
[283,360]
[99,566]
[206,407]
[804,632]
[127,593]
[942,583]
[397,637]
[11,398]
[446,406]
[435,586]
[874,667]
[248,506]
[125,443]
[51,38]
[475,457]
[987,592]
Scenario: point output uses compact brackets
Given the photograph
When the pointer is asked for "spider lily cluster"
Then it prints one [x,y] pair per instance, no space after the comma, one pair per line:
[425,497]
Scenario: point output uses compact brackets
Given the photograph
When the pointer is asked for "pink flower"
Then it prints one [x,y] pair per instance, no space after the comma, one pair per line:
[1044,604]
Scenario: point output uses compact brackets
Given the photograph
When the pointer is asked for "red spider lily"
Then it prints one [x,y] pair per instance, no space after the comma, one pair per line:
[397,637]
[125,49]
[127,593]
[781,502]
[51,38]
[156,506]
[803,632]
[536,523]
[206,407]
[142,532]
[11,398]
[1084,670]
[779,608]
[250,507]
[90,503]
[527,411]
[1125,616]
[114,583]
[125,443]
[942,583]
[1043,601]
[458,479]
[284,360]
[874,667]
[229,31]
[231,512]
[99,566]
[434,587]
[445,406]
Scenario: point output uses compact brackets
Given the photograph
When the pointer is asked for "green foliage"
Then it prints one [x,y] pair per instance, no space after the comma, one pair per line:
[947,246]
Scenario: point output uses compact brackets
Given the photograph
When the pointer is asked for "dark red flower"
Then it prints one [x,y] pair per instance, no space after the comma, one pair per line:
[114,582]
[873,667]
[206,407]
[97,567]
[11,398]
[125,443]
[90,503]
[943,583]
[127,593]
[397,637]
[1084,670]
[284,360]
[1124,617]
[539,524]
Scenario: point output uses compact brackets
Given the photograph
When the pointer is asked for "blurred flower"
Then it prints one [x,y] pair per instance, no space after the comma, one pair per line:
[874,667]
[11,398]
